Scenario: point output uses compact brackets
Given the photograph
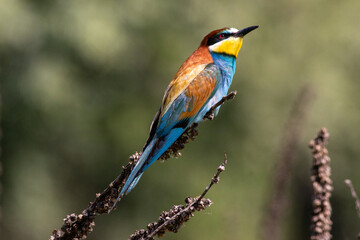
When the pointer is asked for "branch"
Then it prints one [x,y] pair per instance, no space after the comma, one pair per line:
[79,226]
[354,195]
[322,184]
[210,114]
[173,220]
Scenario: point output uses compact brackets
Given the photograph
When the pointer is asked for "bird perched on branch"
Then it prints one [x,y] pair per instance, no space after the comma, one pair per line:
[202,80]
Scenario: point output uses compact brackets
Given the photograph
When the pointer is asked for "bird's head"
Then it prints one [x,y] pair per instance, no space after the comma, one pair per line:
[226,40]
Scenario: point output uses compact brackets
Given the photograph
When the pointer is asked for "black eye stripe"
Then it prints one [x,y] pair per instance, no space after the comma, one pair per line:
[217,38]
[226,35]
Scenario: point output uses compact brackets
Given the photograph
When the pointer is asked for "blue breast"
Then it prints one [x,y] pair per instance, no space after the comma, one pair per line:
[227,64]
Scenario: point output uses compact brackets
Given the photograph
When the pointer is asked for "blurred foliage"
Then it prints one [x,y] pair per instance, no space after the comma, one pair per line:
[81,81]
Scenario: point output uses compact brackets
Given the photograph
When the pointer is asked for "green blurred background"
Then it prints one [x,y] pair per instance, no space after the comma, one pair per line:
[82,80]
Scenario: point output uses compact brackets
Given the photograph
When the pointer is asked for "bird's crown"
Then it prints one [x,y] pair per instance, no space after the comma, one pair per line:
[226,41]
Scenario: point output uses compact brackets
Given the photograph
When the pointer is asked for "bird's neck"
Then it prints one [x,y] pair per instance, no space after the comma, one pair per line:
[226,63]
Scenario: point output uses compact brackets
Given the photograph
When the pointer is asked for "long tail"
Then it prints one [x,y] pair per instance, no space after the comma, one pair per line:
[151,153]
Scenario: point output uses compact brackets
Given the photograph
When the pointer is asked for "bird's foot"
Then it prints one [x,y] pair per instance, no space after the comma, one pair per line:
[210,116]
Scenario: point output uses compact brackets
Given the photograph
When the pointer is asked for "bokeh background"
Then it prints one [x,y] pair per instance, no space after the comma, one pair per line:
[82,80]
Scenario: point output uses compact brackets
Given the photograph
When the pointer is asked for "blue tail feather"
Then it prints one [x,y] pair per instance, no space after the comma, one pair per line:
[167,142]
[135,176]
[146,160]
[133,184]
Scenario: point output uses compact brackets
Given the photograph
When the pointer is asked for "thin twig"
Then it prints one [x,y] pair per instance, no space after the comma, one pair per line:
[179,214]
[80,225]
[216,178]
[277,205]
[322,184]
[210,114]
[354,195]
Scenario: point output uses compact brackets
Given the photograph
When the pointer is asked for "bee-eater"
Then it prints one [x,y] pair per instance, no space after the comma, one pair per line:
[202,80]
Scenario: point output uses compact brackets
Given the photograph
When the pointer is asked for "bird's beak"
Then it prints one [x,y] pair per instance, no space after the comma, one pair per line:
[245,31]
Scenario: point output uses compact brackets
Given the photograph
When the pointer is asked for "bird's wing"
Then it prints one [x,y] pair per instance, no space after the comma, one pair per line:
[182,104]
[180,82]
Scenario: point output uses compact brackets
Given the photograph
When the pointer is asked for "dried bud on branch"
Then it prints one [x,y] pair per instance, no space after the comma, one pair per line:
[322,185]
[179,214]
[173,219]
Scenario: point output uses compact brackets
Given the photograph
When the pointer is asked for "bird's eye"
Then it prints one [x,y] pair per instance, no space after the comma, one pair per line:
[222,36]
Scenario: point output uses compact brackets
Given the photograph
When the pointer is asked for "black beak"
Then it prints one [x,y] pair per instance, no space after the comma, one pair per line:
[245,31]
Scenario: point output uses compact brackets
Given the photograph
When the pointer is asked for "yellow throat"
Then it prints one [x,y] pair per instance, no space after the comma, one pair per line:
[230,46]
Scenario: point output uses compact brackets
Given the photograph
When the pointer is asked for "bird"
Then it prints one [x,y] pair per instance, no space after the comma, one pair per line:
[201,81]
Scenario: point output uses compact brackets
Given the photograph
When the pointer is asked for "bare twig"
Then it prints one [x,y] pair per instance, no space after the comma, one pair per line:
[79,226]
[179,214]
[322,184]
[354,195]
[210,114]
[278,202]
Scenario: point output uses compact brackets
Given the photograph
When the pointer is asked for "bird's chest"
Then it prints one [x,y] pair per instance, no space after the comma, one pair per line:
[227,65]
